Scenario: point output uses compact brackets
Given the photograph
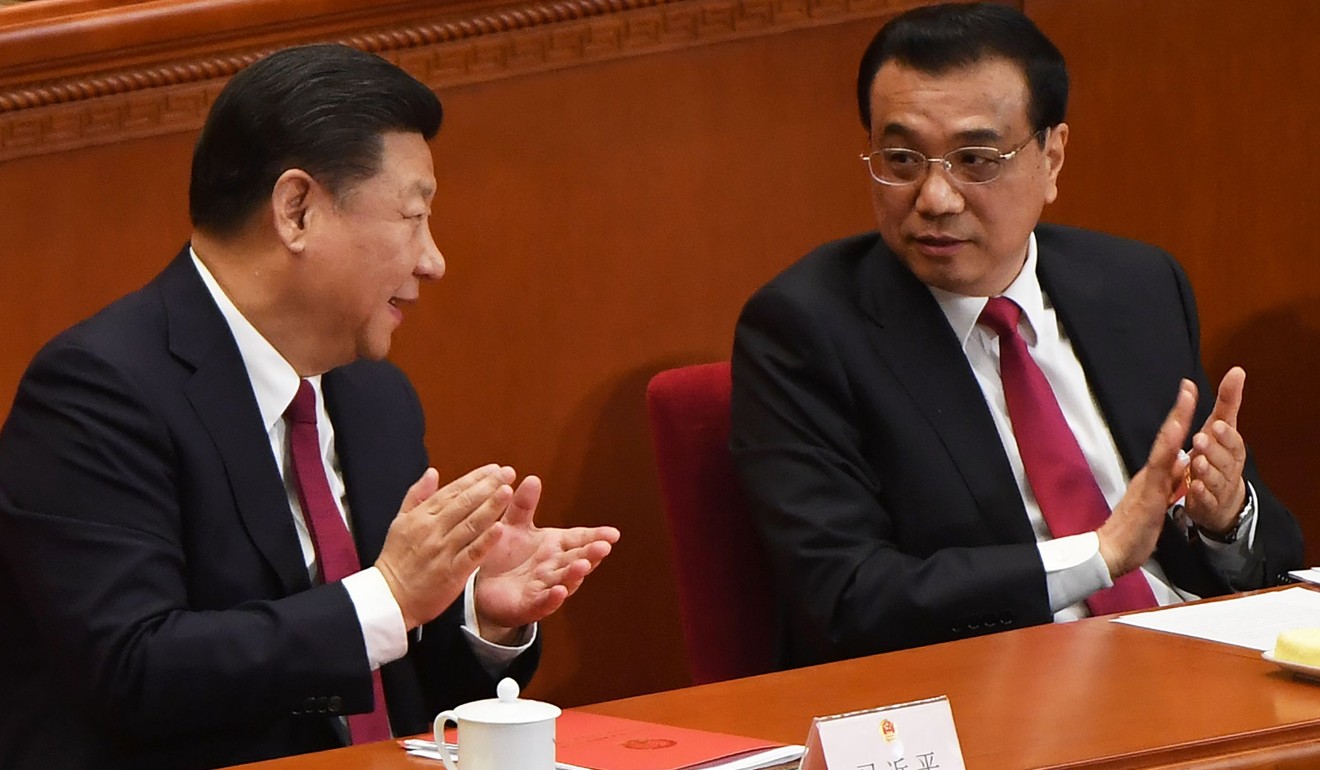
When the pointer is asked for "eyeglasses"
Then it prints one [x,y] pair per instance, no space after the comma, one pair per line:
[898,166]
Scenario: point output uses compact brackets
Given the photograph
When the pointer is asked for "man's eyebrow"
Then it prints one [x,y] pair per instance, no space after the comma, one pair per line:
[970,136]
[979,135]
[898,131]
[422,188]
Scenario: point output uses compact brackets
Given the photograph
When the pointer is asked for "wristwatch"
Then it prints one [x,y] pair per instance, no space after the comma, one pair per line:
[1231,536]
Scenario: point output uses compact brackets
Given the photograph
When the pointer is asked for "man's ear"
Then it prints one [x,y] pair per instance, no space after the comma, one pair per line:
[1054,146]
[289,201]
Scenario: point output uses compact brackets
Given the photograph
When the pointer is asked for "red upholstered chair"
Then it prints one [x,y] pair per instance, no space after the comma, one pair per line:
[724,581]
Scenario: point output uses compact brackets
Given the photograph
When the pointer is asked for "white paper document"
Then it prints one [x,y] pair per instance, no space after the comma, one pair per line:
[1311,575]
[418,747]
[1249,621]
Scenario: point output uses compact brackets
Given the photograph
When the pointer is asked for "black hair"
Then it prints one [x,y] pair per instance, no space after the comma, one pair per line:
[939,38]
[320,108]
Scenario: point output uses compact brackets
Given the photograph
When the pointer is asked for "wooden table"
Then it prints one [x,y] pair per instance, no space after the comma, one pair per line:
[1090,694]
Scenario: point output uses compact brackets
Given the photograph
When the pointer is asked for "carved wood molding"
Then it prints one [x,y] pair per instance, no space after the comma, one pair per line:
[173,97]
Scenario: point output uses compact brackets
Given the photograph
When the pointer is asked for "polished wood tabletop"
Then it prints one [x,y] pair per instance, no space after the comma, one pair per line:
[1089,694]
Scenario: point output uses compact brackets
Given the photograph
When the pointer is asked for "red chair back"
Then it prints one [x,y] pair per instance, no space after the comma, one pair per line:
[724,582]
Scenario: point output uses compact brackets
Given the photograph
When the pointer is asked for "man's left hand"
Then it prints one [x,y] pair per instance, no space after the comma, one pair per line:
[1217,491]
[532,570]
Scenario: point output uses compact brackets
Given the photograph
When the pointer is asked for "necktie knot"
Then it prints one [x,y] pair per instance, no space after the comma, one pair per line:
[303,407]
[1001,316]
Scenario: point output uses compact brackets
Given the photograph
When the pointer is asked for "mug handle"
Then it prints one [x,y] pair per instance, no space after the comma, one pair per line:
[438,732]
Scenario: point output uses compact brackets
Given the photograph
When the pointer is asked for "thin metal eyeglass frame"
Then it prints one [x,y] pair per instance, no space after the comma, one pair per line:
[943,160]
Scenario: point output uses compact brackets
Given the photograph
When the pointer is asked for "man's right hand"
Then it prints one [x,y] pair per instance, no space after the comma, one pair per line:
[440,536]
[1128,536]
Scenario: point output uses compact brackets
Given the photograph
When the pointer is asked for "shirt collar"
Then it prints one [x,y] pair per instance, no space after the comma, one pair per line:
[274,380]
[962,311]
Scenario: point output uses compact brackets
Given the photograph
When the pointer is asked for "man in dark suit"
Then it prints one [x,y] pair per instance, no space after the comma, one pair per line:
[915,477]
[219,538]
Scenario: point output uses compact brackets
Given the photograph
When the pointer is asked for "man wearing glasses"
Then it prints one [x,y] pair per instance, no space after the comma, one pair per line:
[970,421]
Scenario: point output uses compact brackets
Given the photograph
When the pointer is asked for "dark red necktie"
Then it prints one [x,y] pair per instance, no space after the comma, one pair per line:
[1064,486]
[335,551]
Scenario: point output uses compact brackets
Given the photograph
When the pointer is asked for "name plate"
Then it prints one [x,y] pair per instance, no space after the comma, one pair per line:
[908,736]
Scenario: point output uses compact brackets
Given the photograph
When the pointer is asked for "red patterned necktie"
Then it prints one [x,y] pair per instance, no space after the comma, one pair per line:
[335,551]
[1065,488]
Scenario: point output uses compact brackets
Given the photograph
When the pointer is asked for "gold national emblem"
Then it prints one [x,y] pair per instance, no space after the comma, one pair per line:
[887,730]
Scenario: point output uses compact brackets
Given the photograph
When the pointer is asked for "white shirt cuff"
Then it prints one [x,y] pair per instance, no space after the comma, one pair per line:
[383,629]
[493,657]
[1074,569]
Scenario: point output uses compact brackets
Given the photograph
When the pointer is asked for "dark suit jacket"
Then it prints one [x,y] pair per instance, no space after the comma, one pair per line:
[886,501]
[155,609]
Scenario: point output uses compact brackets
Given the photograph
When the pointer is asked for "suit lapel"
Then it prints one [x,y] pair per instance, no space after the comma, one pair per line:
[361,448]
[1101,331]
[221,395]
[913,336]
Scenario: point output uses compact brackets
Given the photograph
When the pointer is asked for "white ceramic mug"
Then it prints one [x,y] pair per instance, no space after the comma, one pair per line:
[501,733]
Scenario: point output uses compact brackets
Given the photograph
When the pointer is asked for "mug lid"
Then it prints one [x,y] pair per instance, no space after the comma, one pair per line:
[507,708]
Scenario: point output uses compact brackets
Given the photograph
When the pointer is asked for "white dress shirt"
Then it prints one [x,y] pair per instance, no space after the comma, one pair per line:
[1074,568]
[274,383]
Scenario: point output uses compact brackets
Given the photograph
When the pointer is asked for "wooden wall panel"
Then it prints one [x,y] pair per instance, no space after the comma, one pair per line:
[1191,122]
[80,228]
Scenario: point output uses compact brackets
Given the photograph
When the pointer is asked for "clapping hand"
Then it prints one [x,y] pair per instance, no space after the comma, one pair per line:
[532,570]
[1216,491]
